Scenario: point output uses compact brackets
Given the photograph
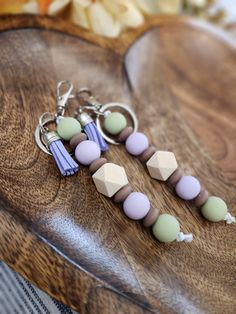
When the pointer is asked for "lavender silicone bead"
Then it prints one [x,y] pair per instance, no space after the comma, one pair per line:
[188,188]
[86,152]
[136,143]
[136,205]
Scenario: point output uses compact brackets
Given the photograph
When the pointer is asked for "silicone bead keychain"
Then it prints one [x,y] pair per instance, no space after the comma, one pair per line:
[110,179]
[161,165]
[50,142]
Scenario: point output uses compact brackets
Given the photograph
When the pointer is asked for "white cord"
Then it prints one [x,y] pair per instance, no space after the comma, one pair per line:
[182,237]
[229,219]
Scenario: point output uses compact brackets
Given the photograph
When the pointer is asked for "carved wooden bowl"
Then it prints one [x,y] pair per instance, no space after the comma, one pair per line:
[74,243]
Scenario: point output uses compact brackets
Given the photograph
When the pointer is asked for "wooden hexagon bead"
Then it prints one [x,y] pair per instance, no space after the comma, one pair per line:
[161,165]
[109,179]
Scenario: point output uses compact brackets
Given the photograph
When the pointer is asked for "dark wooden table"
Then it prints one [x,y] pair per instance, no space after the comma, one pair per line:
[179,75]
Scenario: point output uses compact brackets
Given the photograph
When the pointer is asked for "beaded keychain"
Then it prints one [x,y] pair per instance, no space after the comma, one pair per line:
[110,179]
[161,165]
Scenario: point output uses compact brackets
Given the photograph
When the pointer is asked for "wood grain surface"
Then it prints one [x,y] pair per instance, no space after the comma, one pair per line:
[74,243]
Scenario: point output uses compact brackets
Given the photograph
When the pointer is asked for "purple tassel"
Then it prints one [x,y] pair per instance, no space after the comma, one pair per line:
[64,161]
[93,134]
[91,130]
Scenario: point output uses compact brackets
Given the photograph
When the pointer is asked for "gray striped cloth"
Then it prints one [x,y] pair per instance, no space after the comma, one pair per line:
[18,296]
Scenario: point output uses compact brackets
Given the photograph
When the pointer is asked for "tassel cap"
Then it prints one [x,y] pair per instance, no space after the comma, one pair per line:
[50,137]
[84,118]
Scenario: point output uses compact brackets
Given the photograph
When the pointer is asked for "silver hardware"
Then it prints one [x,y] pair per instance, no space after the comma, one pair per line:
[84,118]
[42,134]
[103,110]
[62,99]
[50,137]
[89,102]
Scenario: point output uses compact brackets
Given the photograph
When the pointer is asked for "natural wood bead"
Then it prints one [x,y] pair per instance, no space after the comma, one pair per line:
[147,154]
[122,137]
[109,179]
[175,177]
[151,217]
[96,164]
[121,195]
[161,165]
[76,139]
[201,198]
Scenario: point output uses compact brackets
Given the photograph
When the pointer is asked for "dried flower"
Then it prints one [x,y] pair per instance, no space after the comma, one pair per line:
[110,17]
[197,3]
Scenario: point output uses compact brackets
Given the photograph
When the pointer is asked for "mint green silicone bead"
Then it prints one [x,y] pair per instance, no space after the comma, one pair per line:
[115,122]
[68,127]
[166,228]
[215,209]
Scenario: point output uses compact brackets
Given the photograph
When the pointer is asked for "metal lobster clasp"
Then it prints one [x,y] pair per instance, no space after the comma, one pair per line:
[62,99]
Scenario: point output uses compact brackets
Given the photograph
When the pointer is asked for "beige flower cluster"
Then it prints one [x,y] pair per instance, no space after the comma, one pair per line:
[110,17]
[105,17]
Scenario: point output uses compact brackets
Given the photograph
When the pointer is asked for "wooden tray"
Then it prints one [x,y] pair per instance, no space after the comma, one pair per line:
[71,241]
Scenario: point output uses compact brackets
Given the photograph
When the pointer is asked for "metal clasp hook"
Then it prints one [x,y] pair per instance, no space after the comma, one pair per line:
[41,130]
[88,102]
[62,99]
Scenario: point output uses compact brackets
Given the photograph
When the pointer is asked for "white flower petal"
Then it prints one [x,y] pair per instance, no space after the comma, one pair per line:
[125,12]
[83,3]
[30,7]
[57,7]
[79,15]
[102,22]
[169,6]
[197,3]
[146,6]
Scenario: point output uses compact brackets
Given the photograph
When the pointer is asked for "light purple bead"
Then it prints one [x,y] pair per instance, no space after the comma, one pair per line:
[136,205]
[136,143]
[188,188]
[86,152]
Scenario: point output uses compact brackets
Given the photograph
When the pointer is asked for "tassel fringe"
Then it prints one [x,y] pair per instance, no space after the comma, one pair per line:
[93,134]
[64,161]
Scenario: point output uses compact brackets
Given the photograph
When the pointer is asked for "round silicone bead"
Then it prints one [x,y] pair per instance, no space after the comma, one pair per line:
[136,205]
[201,199]
[166,228]
[136,143]
[96,164]
[151,217]
[86,152]
[124,134]
[147,154]
[115,122]
[68,127]
[188,188]
[175,177]
[215,209]
[76,139]
[122,194]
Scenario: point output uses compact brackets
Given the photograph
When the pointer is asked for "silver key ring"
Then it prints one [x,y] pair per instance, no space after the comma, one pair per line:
[47,117]
[113,105]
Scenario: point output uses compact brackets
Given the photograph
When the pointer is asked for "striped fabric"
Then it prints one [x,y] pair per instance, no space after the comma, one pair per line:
[18,296]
